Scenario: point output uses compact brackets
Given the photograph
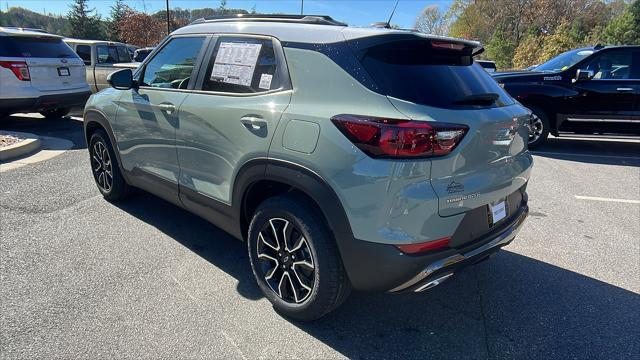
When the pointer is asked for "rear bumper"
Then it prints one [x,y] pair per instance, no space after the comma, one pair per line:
[381,267]
[44,102]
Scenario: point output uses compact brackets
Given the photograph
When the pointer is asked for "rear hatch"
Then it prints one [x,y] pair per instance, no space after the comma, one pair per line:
[436,80]
[53,65]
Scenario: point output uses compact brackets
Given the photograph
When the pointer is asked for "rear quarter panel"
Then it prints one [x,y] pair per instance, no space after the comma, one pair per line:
[385,201]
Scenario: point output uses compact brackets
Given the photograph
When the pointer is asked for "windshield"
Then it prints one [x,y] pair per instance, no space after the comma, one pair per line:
[564,61]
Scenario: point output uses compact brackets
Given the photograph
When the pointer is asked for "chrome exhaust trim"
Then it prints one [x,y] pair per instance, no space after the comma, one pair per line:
[500,240]
[433,283]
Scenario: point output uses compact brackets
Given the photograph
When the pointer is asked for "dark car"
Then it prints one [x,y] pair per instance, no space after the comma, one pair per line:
[593,90]
[140,54]
[489,66]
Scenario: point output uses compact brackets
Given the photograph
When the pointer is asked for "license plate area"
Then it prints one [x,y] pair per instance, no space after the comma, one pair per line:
[497,212]
[63,71]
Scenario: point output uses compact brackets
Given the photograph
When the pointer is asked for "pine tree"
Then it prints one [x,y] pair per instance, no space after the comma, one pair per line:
[118,12]
[84,23]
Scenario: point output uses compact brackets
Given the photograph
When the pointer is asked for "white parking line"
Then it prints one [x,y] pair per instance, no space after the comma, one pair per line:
[585,155]
[592,198]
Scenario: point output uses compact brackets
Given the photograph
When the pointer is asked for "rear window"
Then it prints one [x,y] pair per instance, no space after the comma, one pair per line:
[34,47]
[415,71]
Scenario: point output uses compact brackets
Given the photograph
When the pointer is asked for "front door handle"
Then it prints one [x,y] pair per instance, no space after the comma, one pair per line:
[253,122]
[167,107]
[624,89]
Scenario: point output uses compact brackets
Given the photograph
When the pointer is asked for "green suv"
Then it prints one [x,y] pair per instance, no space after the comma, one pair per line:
[364,158]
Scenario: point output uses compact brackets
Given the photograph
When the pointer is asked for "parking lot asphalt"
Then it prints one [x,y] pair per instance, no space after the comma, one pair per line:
[84,278]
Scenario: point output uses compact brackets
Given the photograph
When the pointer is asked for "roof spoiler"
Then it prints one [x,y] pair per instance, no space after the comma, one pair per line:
[360,42]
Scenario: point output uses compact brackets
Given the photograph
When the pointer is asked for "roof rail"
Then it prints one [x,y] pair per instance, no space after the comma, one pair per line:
[299,19]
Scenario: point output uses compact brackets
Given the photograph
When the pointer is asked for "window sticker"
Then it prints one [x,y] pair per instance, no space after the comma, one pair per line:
[235,63]
[265,81]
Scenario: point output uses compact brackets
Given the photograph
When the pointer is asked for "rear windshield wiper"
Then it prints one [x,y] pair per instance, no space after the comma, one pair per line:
[481,99]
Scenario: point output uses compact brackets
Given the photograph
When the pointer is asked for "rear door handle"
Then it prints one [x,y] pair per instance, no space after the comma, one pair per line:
[624,89]
[253,122]
[167,107]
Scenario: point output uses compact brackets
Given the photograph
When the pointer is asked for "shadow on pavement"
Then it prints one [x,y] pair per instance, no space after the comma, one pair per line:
[511,306]
[65,128]
[592,150]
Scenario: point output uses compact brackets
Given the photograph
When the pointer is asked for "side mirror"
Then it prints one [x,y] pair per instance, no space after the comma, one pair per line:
[121,79]
[583,75]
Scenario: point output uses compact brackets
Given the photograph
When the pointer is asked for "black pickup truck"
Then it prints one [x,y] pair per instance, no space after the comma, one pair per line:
[593,90]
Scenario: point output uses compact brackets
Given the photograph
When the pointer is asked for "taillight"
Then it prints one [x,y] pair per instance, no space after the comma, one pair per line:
[396,138]
[425,246]
[19,69]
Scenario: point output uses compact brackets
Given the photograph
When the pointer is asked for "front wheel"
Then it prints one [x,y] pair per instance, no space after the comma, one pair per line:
[55,113]
[295,259]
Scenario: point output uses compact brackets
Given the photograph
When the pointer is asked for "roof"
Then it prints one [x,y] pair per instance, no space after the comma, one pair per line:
[92,42]
[15,31]
[287,30]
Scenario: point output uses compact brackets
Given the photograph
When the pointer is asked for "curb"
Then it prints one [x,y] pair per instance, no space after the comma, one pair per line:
[31,144]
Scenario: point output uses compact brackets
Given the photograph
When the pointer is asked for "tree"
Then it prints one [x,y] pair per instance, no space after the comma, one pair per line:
[624,29]
[432,21]
[500,48]
[528,52]
[560,41]
[118,12]
[83,22]
[525,32]
[140,29]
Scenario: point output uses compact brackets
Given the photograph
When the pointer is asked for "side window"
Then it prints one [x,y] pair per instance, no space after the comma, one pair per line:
[173,65]
[84,51]
[106,54]
[242,65]
[611,65]
[123,54]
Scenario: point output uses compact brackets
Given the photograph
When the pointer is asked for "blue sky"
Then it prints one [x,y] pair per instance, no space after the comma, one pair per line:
[354,12]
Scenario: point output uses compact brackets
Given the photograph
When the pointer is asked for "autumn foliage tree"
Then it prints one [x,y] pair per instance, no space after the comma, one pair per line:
[140,29]
[520,33]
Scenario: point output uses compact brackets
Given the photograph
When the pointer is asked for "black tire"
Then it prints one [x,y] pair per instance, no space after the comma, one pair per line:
[52,114]
[540,128]
[331,286]
[102,163]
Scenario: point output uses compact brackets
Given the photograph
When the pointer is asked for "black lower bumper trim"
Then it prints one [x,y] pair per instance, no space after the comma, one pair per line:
[381,267]
[44,102]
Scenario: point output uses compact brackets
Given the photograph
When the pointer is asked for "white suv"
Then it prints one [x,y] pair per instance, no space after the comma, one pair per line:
[39,73]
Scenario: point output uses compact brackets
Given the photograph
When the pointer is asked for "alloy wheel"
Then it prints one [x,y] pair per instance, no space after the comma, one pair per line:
[536,128]
[102,166]
[285,260]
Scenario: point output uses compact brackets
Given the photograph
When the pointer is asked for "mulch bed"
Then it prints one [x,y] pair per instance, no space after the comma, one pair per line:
[7,140]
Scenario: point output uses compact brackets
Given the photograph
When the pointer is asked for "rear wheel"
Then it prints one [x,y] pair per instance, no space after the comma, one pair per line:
[295,259]
[55,113]
[104,166]
[539,128]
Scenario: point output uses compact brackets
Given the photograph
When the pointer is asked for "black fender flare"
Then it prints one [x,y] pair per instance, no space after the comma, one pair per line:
[298,177]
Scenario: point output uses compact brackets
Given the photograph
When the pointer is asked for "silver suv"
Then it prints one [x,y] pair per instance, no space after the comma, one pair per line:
[39,72]
[363,158]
